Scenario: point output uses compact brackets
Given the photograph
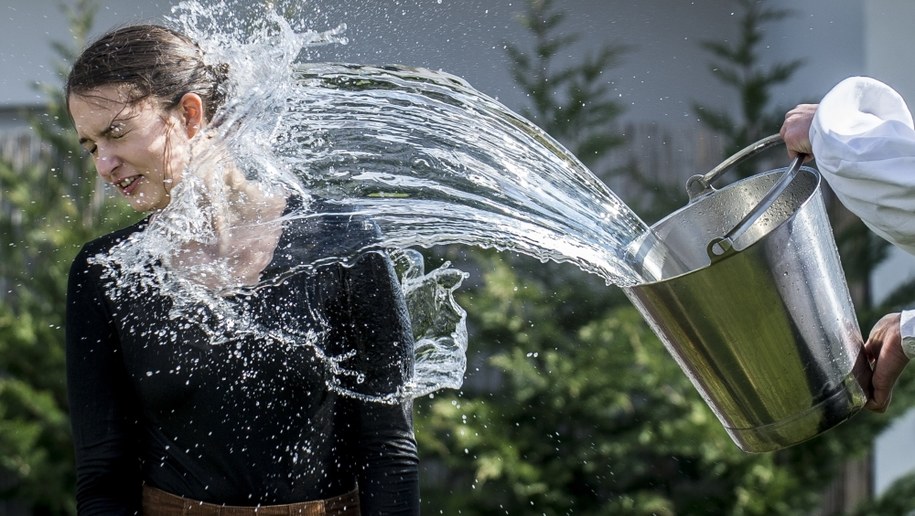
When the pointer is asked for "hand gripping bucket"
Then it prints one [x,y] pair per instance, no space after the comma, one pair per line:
[750,299]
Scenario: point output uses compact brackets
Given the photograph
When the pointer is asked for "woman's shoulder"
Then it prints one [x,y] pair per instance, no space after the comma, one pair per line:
[318,233]
[105,243]
[331,227]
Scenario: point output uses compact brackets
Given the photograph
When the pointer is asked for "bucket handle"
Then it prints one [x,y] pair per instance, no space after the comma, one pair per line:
[723,246]
[700,184]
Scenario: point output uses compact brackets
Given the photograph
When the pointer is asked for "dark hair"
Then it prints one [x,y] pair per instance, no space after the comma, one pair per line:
[155,62]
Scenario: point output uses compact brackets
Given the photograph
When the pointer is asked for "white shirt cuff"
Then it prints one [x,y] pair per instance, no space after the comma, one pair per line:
[907,332]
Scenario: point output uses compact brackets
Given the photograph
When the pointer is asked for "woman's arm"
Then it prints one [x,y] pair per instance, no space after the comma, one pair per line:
[388,476]
[102,410]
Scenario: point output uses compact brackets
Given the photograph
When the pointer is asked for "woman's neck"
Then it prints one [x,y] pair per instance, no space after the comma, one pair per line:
[239,237]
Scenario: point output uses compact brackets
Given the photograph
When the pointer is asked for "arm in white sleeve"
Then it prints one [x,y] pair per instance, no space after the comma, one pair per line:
[864,142]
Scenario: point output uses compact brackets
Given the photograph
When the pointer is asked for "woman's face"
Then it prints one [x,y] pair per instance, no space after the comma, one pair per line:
[139,147]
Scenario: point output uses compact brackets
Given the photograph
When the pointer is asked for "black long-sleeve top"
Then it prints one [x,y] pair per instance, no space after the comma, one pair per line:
[195,407]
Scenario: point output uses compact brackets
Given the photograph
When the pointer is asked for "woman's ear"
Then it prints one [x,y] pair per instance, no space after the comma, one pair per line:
[191,113]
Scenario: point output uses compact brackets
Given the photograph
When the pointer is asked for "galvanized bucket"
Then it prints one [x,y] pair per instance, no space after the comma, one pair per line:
[749,296]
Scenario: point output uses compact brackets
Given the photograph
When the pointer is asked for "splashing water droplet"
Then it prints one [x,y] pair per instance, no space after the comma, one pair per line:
[422,157]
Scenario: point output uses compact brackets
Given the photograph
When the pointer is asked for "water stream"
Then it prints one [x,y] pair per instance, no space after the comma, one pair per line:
[420,153]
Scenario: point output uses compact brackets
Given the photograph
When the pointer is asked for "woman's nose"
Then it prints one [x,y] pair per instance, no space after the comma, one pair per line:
[105,164]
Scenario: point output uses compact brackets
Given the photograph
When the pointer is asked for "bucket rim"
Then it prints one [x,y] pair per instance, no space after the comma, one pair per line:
[817,186]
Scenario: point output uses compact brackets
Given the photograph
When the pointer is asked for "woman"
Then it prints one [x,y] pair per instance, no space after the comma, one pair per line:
[187,411]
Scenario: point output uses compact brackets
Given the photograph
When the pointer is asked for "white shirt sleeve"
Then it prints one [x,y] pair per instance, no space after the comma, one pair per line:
[864,142]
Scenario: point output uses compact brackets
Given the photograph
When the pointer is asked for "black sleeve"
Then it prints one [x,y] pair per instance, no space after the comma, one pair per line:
[102,410]
[389,478]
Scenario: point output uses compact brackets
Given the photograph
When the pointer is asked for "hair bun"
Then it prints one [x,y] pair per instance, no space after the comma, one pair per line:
[219,74]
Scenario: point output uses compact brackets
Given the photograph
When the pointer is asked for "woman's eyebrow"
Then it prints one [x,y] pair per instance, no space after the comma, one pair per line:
[117,118]
[102,134]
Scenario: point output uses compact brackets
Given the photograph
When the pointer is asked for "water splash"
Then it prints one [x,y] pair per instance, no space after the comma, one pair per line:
[418,153]
[435,162]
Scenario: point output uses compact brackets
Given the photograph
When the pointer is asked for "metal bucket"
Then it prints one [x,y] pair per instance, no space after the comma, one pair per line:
[751,300]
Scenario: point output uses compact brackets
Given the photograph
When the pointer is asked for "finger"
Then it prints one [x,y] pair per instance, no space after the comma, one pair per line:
[887,369]
[877,397]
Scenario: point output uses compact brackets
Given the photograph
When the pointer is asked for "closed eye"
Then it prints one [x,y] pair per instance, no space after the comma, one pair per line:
[116,130]
[89,147]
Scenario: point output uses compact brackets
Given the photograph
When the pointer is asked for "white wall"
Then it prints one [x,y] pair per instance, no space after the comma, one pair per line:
[888,44]
[827,35]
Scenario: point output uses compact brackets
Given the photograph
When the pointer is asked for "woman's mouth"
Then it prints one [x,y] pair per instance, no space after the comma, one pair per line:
[128,184]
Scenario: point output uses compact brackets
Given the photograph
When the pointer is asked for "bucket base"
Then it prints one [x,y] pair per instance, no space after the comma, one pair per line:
[841,405]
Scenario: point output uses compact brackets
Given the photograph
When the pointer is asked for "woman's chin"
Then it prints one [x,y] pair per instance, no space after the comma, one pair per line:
[143,204]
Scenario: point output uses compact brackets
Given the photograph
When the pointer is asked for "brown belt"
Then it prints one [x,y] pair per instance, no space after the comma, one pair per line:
[157,502]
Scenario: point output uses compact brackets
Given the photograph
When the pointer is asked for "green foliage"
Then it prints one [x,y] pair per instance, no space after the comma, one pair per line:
[590,414]
[34,437]
[584,416]
[49,211]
